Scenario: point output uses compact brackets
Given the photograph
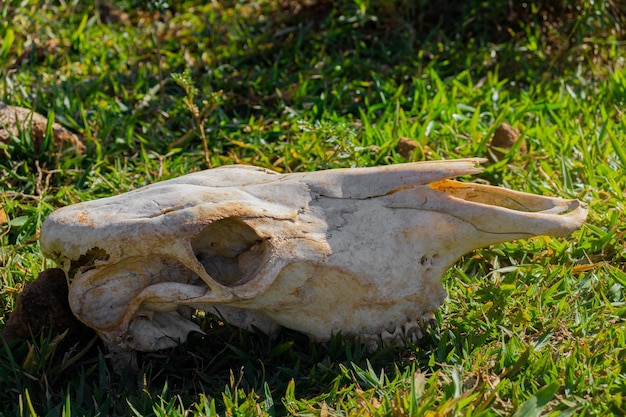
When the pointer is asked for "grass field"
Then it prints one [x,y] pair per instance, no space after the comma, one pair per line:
[533,327]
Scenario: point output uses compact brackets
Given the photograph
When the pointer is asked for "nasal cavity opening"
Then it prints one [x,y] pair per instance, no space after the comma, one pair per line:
[492,196]
[230,251]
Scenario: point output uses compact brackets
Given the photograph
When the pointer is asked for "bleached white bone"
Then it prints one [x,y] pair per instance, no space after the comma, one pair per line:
[359,251]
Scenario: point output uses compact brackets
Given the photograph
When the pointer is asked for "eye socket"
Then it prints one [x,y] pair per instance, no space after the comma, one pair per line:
[230,251]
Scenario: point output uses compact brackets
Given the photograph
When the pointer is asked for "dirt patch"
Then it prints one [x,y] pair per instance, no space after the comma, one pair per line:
[43,309]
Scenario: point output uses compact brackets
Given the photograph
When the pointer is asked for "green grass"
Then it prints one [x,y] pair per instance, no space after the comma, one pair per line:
[532,327]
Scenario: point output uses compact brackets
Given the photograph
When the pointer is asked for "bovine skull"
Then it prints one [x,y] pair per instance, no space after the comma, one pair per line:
[361,251]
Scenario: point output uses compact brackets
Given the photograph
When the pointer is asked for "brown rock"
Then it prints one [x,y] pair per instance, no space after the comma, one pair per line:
[13,120]
[406,146]
[43,308]
[502,141]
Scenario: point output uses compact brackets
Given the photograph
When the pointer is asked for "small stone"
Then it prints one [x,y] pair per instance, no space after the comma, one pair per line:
[406,147]
[38,53]
[503,139]
[111,13]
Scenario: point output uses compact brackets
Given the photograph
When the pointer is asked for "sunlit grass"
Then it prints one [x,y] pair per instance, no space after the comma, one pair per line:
[530,327]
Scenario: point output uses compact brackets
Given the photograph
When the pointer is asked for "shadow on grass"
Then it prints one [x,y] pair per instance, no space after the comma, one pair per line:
[41,373]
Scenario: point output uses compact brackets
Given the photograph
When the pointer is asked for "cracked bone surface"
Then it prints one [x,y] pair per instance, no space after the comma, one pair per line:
[360,251]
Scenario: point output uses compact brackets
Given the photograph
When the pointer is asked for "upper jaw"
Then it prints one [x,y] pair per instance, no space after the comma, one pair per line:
[502,211]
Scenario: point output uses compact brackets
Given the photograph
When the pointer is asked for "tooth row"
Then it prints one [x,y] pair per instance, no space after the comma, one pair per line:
[409,332]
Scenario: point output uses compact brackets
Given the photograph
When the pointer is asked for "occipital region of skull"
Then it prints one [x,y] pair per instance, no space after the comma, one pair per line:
[360,251]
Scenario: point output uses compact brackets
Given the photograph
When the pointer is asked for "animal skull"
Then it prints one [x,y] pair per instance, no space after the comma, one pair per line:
[361,251]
